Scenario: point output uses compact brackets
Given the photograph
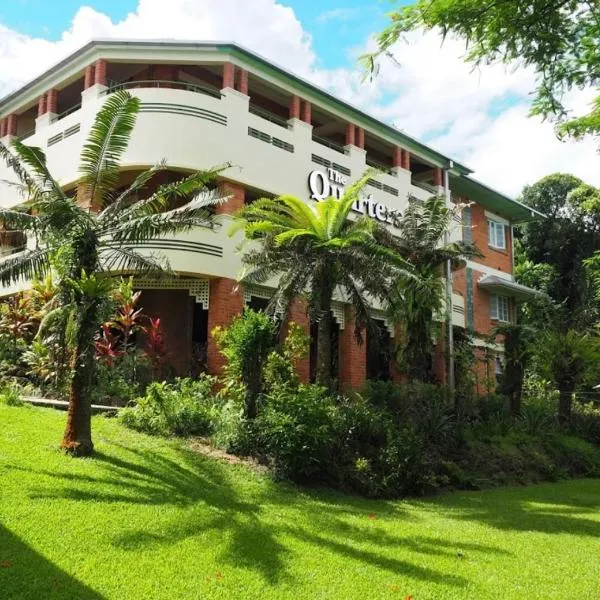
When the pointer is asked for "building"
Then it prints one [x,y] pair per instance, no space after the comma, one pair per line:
[205,104]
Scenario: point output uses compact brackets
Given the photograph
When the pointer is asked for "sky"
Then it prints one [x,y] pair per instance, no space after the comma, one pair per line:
[478,117]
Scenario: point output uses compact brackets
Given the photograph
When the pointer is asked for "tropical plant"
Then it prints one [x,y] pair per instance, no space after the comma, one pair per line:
[315,250]
[418,300]
[86,244]
[156,346]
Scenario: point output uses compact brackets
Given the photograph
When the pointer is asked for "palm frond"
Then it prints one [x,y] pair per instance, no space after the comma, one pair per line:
[25,266]
[107,141]
[125,259]
[15,220]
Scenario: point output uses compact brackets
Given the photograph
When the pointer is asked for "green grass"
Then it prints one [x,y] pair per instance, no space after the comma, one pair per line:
[149,519]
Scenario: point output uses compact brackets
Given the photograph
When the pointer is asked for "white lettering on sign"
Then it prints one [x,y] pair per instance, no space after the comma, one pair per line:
[332,183]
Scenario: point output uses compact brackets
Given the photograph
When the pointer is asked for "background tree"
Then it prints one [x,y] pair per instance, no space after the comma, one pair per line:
[417,300]
[85,246]
[314,250]
[557,38]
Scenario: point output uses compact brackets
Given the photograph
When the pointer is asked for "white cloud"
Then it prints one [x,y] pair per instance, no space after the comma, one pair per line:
[478,117]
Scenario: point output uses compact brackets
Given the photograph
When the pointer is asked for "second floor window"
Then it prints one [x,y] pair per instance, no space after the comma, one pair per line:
[496,235]
[499,308]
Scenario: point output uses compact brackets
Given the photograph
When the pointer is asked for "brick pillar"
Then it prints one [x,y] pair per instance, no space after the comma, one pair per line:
[42,105]
[2,128]
[225,303]
[406,160]
[306,111]
[243,81]
[350,134]
[89,77]
[295,107]
[237,195]
[360,137]
[100,72]
[228,75]
[437,177]
[353,357]
[11,124]
[299,316]
[52,101]
[83,198]
[397,157]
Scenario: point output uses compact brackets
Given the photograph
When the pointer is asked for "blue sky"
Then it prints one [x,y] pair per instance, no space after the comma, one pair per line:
[335,25]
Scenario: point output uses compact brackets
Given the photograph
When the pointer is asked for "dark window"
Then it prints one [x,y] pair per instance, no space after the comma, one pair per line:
[258,304]
[379,351]
[199,337]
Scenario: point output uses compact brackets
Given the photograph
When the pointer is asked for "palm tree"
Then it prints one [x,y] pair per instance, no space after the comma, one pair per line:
[315,250]
[85,246]
[422,240]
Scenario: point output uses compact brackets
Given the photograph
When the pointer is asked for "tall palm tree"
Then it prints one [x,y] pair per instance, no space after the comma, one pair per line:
[314,250]
[422,240]
[87,245]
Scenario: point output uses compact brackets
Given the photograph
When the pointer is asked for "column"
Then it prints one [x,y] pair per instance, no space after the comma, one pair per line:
[350,135]
[89,77]
[406,160]
[360,137]
[2,128]
[295,107]
[100,72]
[42,105]
[243,81]
[52,101]
[397,157]
[353,356]
[236,193]
[226,301]
[306,112]
[228,75]
[11,124]
[438,180]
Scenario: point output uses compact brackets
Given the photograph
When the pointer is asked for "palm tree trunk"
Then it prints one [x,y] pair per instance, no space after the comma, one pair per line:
[77,439]
[564,404]
[323,376]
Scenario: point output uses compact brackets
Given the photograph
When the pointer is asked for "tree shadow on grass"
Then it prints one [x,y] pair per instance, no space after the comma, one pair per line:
[546,508]
[25,574]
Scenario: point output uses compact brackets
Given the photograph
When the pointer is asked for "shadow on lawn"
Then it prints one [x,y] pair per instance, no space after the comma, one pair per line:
[26,574]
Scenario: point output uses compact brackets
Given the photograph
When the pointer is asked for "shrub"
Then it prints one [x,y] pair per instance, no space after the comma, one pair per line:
[183,407]
[585,421]
[122,381]
[10,396]
[537,417]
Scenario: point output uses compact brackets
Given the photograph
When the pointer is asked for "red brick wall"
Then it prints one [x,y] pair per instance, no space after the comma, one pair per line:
[225,302]
[353,357]
[236,200]
[175,310]
[299,316]
[496,259]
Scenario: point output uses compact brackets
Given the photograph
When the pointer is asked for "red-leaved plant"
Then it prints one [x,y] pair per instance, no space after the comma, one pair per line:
[156,346]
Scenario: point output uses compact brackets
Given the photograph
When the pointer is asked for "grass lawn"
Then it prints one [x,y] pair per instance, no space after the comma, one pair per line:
[149,519]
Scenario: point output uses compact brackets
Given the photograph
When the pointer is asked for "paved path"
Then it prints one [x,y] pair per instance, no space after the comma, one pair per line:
[63,405]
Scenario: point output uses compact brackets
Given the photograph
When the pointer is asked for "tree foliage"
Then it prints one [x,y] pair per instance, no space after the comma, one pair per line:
[557,38]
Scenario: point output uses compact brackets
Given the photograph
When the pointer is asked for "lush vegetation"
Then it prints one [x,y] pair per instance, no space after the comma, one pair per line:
[85,238]
[148,518]
[557,38]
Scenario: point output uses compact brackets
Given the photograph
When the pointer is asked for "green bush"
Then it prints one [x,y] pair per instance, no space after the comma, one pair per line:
[10,396]
[585,421]
[183,407]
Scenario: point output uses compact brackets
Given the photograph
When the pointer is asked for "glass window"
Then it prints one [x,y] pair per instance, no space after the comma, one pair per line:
[496,235]
[500,308]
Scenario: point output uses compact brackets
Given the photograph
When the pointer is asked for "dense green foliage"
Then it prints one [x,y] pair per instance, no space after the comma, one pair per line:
[148,518]
[84,246]
[557,38]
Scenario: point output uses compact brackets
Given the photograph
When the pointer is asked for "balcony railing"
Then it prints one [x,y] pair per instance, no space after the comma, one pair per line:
[424,186]
[263,114]
[67,112]
[379,166]
[328,143]
[160,83]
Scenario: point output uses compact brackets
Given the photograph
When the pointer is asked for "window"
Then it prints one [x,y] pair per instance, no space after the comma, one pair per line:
[496,236]
[499,308]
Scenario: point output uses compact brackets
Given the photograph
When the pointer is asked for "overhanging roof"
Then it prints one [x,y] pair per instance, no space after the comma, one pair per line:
[495,201]
[507,287]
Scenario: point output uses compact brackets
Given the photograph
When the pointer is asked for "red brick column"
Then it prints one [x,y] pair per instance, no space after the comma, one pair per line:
[353,357]
[350,134]
[42,105]
[406,160]
[295,107]
[100,72]
[89,77]
[237,195]
[437,177]
[228,75]
[299,316]
[307,111]
[225,303]
[52,101]
[243,81]
[11,124]
[360,137]
[2,128]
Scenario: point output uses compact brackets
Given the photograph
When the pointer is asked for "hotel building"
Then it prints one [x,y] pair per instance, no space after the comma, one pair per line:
[206,104]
